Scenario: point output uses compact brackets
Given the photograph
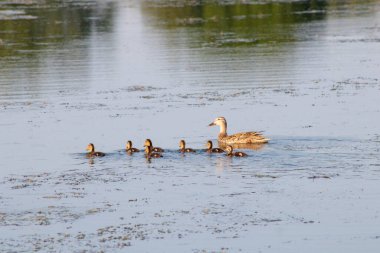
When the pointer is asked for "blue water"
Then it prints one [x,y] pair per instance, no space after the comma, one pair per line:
[75,72]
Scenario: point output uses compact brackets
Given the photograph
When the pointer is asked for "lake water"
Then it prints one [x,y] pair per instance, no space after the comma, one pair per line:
[304,72]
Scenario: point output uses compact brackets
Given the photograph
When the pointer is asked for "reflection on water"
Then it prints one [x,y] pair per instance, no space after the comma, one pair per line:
[74,72]
[45,44]
[27,27]
[244,146]
[63,46]
[232,24]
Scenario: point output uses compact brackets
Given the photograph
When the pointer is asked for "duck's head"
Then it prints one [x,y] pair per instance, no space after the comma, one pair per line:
[209,144]
[182,144]
[148,149]
[148,143]
[229,149]
[220,121]
[90,147]
[129,145]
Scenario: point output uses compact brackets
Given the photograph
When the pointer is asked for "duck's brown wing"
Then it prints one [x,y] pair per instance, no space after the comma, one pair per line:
[240,154]
[245,138]
[98,154]
[157,149]
[252,146]
[217,150]
[155,155]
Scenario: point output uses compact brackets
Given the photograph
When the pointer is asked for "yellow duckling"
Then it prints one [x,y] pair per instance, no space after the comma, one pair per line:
[239,138]
[210,149]
[183,149]
[91,151]
[148,143]
[149,154]
[230,152]
[130,149]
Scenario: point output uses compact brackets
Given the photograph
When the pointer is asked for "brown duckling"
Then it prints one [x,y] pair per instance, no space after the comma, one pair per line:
[149,154]
[148,143]
[210,149]
[230,152]
[130,149]
[183,149]
[91,151]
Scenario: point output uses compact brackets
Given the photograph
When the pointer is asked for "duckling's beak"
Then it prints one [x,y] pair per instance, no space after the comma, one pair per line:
[212,124]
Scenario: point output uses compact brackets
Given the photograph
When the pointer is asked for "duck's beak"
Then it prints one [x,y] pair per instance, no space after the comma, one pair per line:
[212,124]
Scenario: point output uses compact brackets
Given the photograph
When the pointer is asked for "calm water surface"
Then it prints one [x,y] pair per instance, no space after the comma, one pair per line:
[74,72]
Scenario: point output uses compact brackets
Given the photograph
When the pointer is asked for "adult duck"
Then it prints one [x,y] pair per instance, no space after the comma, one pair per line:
[239,138]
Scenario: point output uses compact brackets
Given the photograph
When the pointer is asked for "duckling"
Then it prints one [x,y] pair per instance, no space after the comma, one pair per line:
[213,150]
[130,149]
[230,152]
[149,154]
[148,143]
[91,151]
[239,138]
[183,149]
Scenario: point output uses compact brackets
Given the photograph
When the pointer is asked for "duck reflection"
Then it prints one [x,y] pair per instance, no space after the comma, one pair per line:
[222,163]
[256,146]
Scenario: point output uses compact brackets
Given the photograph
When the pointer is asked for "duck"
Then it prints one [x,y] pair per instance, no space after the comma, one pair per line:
[210,149]
[91,151]
[239,138]
[130,149]
[148,143]
[230,152]
[183,149]
[149,154]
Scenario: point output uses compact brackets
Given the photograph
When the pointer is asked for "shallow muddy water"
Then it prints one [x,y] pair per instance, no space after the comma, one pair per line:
[304,72]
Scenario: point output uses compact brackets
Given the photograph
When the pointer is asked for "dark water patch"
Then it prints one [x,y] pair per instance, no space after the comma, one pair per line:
[265,176]
[319,177]
[141,88]
[53,214]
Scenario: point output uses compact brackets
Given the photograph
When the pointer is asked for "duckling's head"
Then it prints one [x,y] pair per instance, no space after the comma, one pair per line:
[220,121]
[182,144]
[90,147]
[148,149]
[209,144]
[129,145]
[148,143]
[229,149]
